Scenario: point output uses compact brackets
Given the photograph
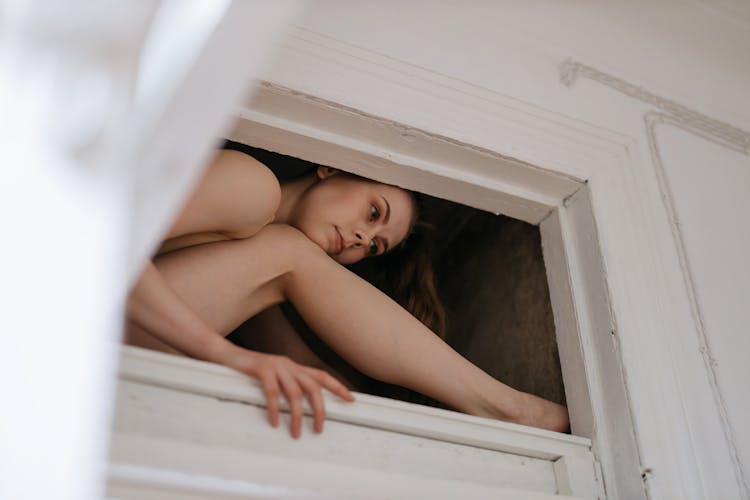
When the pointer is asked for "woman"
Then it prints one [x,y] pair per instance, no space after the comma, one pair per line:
[244,243]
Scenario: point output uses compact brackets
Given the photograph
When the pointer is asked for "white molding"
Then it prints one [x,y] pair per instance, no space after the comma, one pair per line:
[285,478]
[652,121]
[708,443]
[155,456]
[140,481]
[320,68]
[594,333]
[198,377]
[335,135]
[577,477]
[712,129]
[324,68]
[576,380]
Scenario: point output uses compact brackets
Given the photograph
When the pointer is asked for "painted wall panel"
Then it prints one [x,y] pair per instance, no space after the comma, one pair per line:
[709,187]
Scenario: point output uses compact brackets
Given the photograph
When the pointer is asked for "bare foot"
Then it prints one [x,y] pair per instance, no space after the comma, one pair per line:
[538,412]
[526,409]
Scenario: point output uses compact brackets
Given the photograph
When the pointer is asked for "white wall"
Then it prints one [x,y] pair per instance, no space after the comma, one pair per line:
[689,53]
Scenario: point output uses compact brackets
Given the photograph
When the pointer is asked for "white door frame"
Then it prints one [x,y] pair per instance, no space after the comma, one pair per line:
[620,313]
[193,456]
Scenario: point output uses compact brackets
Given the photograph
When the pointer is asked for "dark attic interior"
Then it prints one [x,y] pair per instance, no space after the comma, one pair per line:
[490,276]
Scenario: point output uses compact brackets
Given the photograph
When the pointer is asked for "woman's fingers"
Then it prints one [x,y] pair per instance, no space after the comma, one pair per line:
[331,383]
[279,374]
[294,397]
[271,389]
[315,396]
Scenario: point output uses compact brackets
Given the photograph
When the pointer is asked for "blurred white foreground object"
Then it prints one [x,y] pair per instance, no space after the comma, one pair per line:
[109,111]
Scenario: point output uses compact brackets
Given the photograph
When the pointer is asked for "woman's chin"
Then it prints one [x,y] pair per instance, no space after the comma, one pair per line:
[345,261]
[319,240]
[328,247]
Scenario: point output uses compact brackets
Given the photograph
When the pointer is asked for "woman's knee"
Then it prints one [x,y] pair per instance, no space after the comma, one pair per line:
[290,245]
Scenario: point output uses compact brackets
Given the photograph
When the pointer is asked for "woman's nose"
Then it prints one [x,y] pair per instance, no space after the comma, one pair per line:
[360,238]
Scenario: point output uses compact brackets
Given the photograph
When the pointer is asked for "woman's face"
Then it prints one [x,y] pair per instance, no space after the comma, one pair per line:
[352,218]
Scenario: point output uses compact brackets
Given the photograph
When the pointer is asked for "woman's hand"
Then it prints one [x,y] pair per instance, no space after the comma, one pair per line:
[279,374]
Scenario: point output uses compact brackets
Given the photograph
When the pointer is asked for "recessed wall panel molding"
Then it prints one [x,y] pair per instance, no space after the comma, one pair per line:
[698,172]
[702,184]
[711,129]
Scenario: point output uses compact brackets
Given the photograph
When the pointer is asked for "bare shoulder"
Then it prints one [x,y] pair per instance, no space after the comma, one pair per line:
[236,196]
[228,159]
[234,171]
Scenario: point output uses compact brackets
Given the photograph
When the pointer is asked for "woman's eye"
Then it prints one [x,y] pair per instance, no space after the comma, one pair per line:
[374,213]
[373,248]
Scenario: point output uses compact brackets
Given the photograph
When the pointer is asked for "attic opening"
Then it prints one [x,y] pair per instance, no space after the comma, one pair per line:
[490,276]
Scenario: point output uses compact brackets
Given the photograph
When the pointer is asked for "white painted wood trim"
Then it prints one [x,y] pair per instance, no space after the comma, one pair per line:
[685,446]
[140,481]
[578,477]
[328,69]
[736,140]
[575,377]
[362,143]
[284,478]
[189,375]
[147,464]
[590,344]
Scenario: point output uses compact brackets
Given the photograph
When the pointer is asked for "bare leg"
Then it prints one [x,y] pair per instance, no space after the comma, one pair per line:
[384,341]
[225,283]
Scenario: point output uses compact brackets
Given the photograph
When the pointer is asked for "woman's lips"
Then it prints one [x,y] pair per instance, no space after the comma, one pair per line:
[339,241]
